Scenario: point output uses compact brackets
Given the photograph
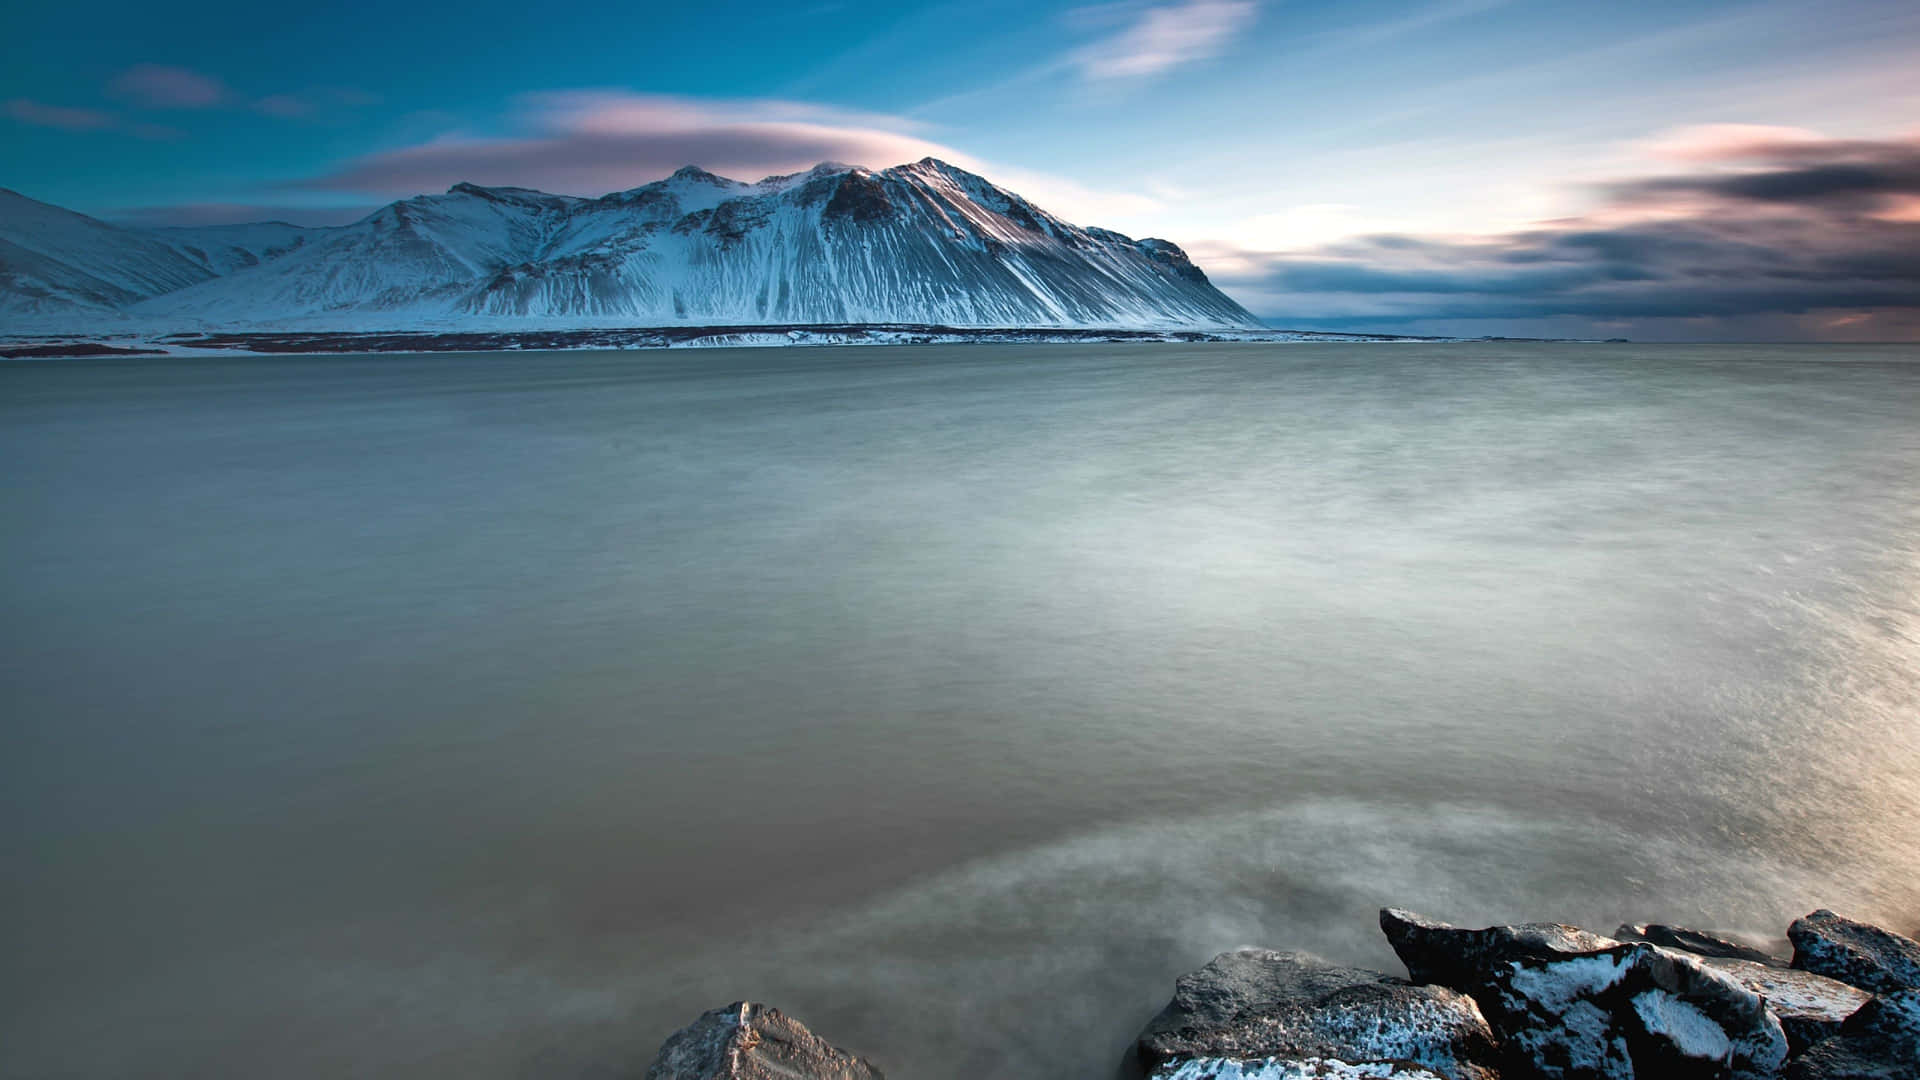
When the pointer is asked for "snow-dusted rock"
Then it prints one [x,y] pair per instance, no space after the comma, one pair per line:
[1633,1010]
[1438,952]
[1855,953]
[747,1041]
[1880,1042]
[1810,1007]
[1291,1069]
[1290,1008]
[1696,942]
[1568,1004]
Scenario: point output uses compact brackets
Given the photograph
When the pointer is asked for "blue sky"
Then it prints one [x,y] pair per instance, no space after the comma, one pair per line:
[1386,164]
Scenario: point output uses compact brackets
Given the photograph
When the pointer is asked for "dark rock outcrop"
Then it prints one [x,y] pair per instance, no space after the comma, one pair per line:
[1293,1069]
[1568,1004]
[1299,1012]
[1855,953]
[747,1041]
[1695,942]
[1438,952]
[1810,1007]
[1880,1042]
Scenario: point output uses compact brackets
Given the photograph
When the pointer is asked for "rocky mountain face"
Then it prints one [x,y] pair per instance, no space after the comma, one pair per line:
[925,243]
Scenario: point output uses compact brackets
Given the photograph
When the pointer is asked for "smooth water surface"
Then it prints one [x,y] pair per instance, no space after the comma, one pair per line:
[492,716]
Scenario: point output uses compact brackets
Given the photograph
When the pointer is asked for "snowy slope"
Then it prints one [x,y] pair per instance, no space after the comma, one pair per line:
[54,261]
[925,243]
[222,249]
[921,243]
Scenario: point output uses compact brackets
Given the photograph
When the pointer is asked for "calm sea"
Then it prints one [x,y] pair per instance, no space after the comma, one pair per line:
[494,715]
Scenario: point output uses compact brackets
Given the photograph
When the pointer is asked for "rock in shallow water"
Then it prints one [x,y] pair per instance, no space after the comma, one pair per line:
[1281,1010]
[1810,1007]
[1295,1069]
[1696,942]
[1438,952]
[1571,1005]
[747,1041]
[1880,1042]
[1855,953]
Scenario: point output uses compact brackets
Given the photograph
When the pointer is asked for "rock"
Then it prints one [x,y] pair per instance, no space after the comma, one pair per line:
[1292,1008]
[1810,1007]
[1855,953]
[1632,1010]
[1695,942]
[1437,952]
[1880,1042]
[746,1041]
[1298,1069]
[1568,1004]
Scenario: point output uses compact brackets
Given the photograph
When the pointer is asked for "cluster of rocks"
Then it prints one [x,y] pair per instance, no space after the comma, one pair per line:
[1535,1001]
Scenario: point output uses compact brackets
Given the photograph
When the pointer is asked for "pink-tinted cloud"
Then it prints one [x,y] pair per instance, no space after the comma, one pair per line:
[1699,143]
[65,118]
[593,143]
[1766,236]
[160,86]
[313,103]
[286,106]
[62,117]
[1792,174]
[1159,38]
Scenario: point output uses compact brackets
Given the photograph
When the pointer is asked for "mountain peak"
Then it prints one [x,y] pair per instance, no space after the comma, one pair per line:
[695,172]
[932,164]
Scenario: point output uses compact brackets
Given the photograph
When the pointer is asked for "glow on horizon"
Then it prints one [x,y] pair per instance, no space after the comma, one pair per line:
[1439,146]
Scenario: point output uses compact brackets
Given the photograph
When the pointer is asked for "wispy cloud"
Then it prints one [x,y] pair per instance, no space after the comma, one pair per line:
[63,117]
[68,118]
[313,104]
[593,142]
[167,87]
[283,105]
[161,86]
[590,143]
[1159,38]
[1782,229]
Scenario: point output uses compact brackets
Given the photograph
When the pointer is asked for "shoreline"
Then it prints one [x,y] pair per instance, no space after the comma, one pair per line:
[329,342]
[1529,1001]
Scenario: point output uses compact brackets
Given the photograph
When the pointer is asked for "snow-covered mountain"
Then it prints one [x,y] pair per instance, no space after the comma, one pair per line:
[54,261]
[925,243]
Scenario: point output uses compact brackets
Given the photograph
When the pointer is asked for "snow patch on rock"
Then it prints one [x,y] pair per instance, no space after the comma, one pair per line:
[1292,1069]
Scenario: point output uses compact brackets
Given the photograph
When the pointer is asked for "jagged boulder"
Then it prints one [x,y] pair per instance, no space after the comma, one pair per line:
[1280,1011]
[1810,1007]
[1300,1069]
[1438,952]
[748,1041]
[1696,942]
[1855,953]
[1568,1004]
[1880,1042]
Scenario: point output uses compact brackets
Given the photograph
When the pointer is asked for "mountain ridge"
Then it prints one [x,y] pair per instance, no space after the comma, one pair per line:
[925,242]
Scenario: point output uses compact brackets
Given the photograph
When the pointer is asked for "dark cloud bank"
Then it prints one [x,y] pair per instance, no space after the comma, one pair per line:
[1802,239]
